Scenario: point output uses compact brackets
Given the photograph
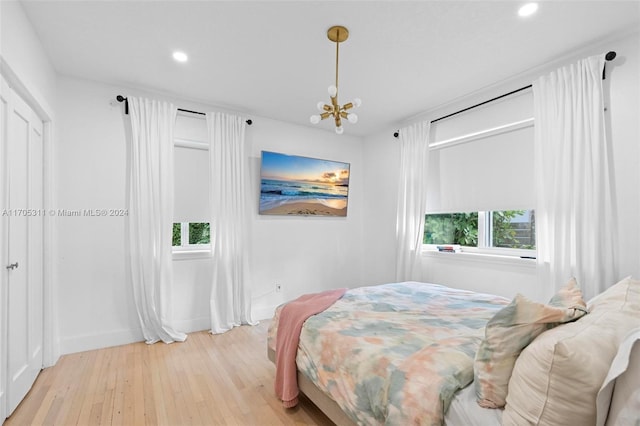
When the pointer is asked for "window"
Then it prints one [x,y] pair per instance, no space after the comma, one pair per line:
[191,210]
[513,229]
[503,229]
[191,235]
[481,180]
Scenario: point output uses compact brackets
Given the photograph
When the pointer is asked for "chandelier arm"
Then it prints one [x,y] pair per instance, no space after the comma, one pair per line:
[347,106]
[325,115]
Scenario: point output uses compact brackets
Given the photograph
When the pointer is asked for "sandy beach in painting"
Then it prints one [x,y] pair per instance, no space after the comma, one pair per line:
[311,208]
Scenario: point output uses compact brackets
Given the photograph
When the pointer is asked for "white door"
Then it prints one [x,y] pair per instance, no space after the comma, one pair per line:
[4,222]
[24,216]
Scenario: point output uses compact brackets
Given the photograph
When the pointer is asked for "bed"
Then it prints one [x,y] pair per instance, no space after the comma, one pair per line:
[404,353]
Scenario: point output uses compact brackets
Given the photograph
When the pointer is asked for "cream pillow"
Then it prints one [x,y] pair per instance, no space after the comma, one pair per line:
[621,296]
[510,330]
[556,378]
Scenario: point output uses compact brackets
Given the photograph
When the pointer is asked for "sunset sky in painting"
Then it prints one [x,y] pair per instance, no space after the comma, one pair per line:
[295,168]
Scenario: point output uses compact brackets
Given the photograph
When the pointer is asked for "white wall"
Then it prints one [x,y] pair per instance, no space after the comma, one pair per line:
[305,254]
[381,156]
[95,303]
[302,254]
[508,278]
[624,111]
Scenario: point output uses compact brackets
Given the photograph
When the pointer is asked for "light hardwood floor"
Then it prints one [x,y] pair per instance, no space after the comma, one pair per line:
[209,379]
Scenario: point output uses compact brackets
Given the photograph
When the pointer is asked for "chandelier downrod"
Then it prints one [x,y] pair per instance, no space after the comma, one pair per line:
[337,58]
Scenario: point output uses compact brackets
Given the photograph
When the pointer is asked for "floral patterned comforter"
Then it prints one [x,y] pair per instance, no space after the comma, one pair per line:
[394,354]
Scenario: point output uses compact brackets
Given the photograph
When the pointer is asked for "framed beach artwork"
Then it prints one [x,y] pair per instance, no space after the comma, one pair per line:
[295,185]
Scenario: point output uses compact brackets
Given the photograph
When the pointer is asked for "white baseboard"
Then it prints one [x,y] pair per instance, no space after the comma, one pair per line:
[192,325]
[263,312]
[89,342]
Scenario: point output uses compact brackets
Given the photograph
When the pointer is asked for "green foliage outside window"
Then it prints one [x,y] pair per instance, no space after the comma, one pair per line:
[451,228]
[506,233]
[199,233]
[175,241]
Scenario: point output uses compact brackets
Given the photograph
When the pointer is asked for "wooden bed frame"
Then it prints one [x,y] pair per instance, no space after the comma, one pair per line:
[327,405]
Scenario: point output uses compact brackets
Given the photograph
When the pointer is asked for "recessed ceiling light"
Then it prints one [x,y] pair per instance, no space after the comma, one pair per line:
[180,56]
[528,9]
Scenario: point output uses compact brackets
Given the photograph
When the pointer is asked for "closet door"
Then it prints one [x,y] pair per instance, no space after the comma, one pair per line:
[24,254]
[4,226]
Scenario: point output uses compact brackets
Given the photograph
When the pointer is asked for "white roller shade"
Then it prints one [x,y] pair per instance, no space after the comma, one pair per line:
[191,127]
[191,185]
[191,170]
[492,170]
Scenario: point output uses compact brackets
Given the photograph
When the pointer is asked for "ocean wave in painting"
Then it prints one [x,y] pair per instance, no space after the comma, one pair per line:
[274,193]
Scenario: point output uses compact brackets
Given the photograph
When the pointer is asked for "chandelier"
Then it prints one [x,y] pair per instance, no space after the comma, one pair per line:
[337,34]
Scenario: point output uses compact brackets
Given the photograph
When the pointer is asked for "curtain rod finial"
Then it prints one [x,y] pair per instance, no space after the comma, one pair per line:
[121,98]
[610,56]
[396,133]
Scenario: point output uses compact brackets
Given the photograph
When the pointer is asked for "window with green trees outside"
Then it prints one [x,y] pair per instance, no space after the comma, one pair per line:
[188,234]
[505,229]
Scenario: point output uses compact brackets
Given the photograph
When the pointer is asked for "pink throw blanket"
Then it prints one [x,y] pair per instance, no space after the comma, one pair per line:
[292,317]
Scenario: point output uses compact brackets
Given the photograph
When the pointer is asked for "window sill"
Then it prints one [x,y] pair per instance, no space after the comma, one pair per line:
[516,260]
[191,254]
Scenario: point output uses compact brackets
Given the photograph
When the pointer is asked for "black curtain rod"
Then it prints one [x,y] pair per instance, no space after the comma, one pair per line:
[121,98]
[609,57]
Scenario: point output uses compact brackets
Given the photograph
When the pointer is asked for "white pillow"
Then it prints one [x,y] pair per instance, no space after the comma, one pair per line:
[623,382]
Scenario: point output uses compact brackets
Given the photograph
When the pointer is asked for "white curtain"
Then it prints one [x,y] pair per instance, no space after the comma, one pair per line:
[151,216]
[412,197]
[575,212]
[230,287]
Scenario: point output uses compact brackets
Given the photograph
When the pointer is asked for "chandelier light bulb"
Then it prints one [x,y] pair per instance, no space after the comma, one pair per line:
[353,118]
[339,130]
[320,106]
[333,91]
[315,119]
[357,102]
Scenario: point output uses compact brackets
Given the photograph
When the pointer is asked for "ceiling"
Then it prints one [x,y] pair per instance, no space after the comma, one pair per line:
[273,59]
